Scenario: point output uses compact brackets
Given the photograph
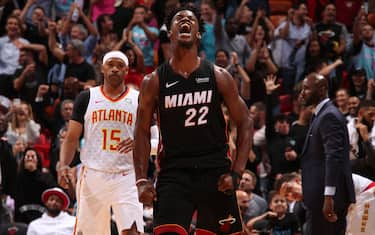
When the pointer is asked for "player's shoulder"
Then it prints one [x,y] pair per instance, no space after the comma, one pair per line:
[151,79]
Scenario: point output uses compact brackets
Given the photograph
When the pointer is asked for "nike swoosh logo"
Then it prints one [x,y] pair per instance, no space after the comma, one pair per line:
[168,85]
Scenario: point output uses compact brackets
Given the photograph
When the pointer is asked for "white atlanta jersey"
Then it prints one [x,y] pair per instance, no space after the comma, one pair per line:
[107,122]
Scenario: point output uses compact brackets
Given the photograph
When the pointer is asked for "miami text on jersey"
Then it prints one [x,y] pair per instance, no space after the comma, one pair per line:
[187,99]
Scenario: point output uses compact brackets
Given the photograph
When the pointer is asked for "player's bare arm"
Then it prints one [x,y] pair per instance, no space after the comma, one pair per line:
[239,114]
[147,104]
[68,149]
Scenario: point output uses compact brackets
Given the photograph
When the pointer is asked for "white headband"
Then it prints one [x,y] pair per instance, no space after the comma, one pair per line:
[116,54]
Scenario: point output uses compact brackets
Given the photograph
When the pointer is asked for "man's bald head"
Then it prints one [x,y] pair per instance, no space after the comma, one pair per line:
[314,89]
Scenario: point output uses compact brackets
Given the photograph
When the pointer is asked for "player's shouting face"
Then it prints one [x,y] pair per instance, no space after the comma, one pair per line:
[185,28]
[114,70]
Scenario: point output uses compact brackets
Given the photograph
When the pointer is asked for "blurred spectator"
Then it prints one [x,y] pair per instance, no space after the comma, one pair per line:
[55,220]
[61,7]
[100,7]
[22,125]
[36,27]
[341,100]
[363,49]
[123,15]
[34,62]
[208,14]
[228,39]
[108,37]
[18,149]
[31,183]
[136,71]
[360,136]
[73,58]
[353,107]
[256,204]
[143,36]
[292,37]
[331,34]
[358,84]
[8,163]
[299,128]
[243,203]
[278,219]
[244,16]
[72,30]
[10,45]
[165,47]
[281,147]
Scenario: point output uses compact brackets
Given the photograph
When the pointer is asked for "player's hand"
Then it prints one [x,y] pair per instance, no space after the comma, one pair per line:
[125,146]
[227,184]
[328,209]
[64,176]
[146,193]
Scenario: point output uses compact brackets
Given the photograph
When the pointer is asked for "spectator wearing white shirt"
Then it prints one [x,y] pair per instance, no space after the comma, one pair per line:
[55,221]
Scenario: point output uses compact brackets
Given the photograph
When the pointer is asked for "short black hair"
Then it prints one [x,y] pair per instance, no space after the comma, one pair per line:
[366,104]
[187,7]
[224,51]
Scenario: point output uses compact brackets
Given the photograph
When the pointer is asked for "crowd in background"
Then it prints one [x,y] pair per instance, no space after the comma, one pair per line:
[52,50]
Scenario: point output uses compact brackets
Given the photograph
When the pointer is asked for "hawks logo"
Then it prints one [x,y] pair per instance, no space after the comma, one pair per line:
[225,224]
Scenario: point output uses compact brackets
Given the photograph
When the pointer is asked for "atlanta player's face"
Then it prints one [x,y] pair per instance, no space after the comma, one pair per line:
[185,28]
[114,71]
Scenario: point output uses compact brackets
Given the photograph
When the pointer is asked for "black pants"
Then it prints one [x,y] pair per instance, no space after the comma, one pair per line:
[182,191]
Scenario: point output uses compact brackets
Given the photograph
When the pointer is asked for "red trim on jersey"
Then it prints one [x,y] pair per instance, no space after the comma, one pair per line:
[116,99]
[371,185]
[200,231]
[170,228]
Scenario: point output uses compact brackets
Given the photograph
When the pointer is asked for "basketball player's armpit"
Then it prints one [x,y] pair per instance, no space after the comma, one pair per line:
[80,106]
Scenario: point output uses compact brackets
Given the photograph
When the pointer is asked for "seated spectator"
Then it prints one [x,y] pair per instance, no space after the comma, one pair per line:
[278,219]
[31,183]
[23,125]
[256,204]
[341,100]
[55,220]
[358,84]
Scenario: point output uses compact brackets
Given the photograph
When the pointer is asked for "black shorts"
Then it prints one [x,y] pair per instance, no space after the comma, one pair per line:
[182,191]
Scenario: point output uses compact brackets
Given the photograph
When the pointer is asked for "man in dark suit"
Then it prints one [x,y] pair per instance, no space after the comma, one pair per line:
[326,174]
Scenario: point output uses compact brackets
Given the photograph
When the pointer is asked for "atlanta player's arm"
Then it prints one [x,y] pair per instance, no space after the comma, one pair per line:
[239,114]
[147,104]
[70,143]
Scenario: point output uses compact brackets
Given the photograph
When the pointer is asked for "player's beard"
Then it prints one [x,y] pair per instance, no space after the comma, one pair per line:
[53,211]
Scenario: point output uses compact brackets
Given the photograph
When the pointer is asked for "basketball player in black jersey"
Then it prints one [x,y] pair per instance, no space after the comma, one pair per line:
[195,170]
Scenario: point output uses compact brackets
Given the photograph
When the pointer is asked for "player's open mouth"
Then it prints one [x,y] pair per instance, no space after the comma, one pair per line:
[185,29]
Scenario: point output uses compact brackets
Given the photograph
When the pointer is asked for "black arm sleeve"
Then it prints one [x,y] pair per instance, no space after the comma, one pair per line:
[270,124]
[80,106]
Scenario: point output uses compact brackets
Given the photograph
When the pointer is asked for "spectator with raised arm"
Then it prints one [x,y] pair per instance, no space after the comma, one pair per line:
[71,30]
[143,36]
[10,45]
[34,62]
[73,58]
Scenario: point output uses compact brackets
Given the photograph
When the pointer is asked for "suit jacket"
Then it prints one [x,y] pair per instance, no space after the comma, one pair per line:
[325,160]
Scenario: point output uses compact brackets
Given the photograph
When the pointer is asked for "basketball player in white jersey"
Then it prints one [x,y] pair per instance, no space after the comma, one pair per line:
[107,114]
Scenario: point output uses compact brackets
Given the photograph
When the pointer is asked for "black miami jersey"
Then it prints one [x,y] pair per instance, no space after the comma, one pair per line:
[192,124]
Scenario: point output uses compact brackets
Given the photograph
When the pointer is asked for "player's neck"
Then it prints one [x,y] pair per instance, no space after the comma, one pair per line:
[114,92]
[185,61]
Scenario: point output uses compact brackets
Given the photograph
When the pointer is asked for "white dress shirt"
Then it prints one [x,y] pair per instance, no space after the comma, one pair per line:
[63,224]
